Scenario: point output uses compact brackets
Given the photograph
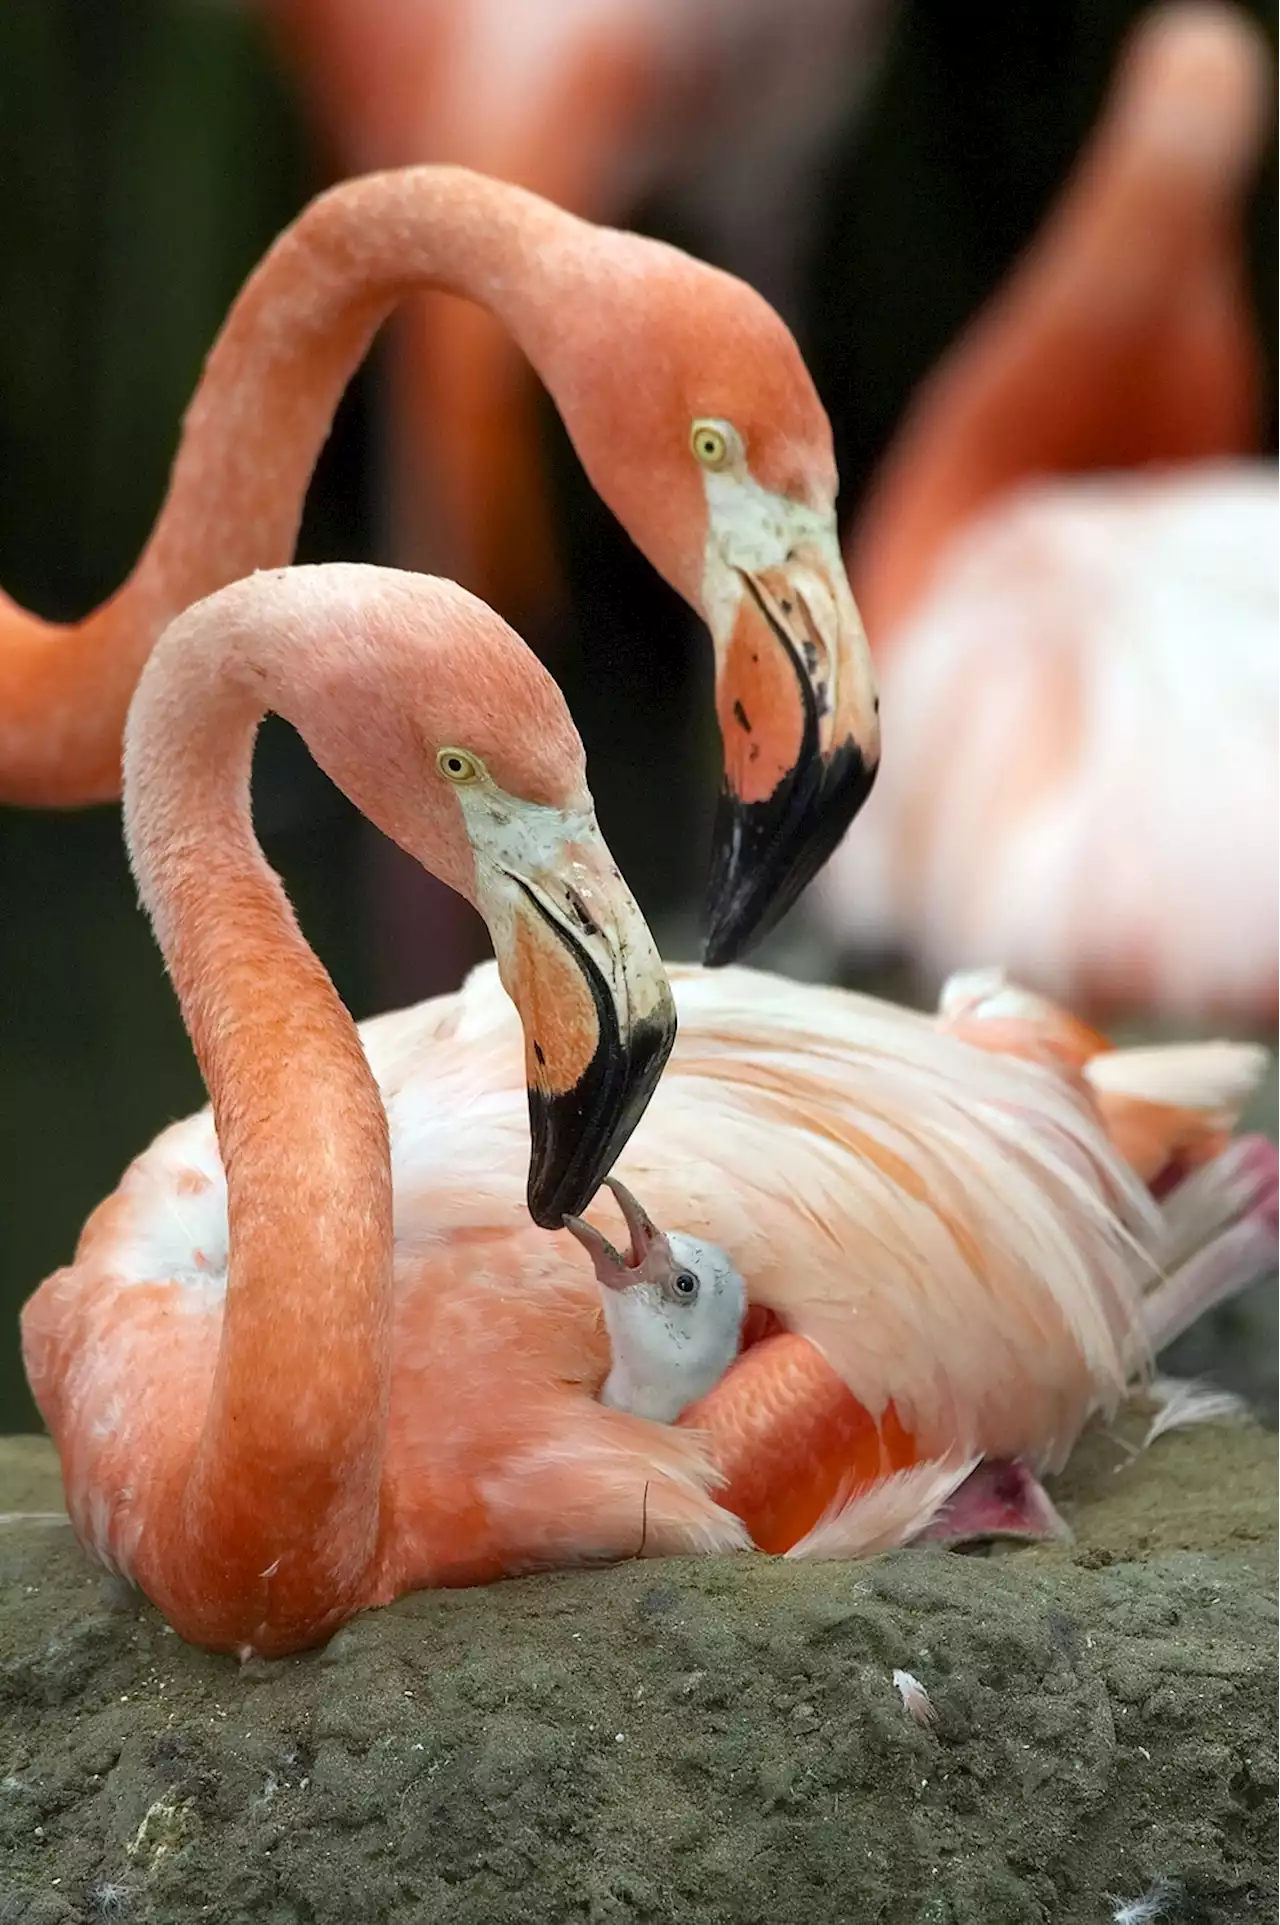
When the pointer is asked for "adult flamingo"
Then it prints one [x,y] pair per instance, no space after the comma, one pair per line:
[693,413]
[313,1352]
[241,1434]
[1072,582]
[596,104]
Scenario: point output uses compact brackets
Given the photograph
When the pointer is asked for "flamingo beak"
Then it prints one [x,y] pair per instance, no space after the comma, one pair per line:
[799,716]
[599,1019]
[613,1270]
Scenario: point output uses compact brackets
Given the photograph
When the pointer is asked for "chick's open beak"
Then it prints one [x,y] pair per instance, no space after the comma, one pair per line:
[649,1248]
[799,716]
[599,1020]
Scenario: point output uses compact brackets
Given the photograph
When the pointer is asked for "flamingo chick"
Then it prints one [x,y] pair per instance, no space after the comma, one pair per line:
[674,1313]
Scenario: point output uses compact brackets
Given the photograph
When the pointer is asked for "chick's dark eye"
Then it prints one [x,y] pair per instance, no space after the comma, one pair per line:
[684,1283]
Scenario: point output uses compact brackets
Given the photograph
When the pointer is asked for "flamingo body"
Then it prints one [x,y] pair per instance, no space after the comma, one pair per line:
[941,1233]
[1068,569]
[1084,709]
[500,1461]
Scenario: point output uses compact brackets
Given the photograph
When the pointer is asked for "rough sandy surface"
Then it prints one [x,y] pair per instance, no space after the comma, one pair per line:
[713,1741]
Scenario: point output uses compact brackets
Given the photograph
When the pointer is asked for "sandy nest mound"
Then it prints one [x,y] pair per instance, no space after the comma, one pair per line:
[684,1741]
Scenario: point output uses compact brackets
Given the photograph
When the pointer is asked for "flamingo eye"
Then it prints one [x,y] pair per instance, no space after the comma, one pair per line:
[684,1285]
[459,765]
[710,443]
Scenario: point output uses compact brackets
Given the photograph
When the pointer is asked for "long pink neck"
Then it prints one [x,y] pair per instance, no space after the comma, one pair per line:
[277,1517]
[1124,335]
[252,434]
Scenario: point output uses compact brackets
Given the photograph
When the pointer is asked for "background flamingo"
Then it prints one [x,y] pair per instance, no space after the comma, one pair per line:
[692,411]
[597,104]
[1073,592]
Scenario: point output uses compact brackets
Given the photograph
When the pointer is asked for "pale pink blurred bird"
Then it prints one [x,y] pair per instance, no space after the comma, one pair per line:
[1070,580]
[727,104]
[315,1351]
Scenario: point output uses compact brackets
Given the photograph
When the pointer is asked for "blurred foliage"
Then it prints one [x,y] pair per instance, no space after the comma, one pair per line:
[149,151]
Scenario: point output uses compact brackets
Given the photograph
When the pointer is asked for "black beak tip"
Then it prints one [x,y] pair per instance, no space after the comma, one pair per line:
[767,853]
[543,1198]
[724,945]
[577,1137]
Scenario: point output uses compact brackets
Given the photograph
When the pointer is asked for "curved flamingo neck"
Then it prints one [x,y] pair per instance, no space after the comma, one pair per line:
[1122,337]
[251,437]
[279,1510]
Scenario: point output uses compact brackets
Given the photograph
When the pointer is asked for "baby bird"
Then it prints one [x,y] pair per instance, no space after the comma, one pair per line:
[673,1310]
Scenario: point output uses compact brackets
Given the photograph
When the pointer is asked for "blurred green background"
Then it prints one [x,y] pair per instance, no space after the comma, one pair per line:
[149,152]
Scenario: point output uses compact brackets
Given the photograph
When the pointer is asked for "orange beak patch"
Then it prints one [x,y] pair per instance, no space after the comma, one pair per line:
[598,1020]
[761,709]
[795,772]
[557,1009]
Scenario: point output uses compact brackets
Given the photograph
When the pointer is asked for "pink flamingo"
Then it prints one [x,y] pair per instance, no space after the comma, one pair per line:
[692,411]
[313,1352]
[240,1417]
[1071,580]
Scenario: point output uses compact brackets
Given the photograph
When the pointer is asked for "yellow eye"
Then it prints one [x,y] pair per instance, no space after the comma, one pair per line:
[459,765]
[709,443]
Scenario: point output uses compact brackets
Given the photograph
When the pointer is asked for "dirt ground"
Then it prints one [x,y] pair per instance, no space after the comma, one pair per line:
[690,1743]
[707,1741]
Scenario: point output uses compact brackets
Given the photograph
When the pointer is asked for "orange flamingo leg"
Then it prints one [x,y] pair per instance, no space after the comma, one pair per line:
[792,1439]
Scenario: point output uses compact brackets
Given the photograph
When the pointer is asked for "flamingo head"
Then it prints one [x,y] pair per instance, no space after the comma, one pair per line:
[462,750]
[695,417]
[673,1308]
